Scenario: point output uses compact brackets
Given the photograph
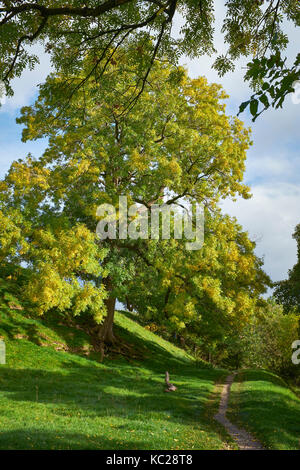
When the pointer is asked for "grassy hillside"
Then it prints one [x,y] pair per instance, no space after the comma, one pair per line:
[262,402]
[55,395]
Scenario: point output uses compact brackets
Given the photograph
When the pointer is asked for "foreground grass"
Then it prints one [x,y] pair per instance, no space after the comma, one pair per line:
[262,403]
[53,399]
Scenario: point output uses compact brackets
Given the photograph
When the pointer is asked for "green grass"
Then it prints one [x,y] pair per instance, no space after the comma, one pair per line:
[267,407]
[55,395]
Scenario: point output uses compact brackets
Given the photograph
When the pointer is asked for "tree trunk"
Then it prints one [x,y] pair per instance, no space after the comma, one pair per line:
[106,333]
[182,342]
[129,305]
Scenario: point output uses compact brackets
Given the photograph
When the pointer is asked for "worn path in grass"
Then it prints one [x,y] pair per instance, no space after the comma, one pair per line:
[262,403]
[243,439]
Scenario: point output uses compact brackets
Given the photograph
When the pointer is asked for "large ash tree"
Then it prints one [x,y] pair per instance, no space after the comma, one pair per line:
[176,144]
[71,30]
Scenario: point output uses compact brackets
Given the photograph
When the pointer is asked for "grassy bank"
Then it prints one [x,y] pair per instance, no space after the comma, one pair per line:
[263,403]
[55,395]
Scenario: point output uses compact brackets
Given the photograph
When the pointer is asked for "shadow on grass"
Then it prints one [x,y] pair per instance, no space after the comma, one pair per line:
[31,438]
[80,396]
[121,392]
[36,331]
[159,354]
[14,327]
[259,375]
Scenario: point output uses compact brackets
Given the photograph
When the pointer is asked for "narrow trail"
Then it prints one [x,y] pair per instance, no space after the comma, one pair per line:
[243,439]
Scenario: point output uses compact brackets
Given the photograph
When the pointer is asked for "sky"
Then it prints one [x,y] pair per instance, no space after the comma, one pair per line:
[273,163]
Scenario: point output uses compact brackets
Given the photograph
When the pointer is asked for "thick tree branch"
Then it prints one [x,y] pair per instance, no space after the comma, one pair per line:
[62,11]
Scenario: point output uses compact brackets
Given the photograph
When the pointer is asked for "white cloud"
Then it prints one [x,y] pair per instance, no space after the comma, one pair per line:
[270,218]
[25,87]
[273,163]
[276,167]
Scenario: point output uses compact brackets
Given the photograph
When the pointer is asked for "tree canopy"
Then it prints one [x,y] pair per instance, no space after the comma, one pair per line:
[177,144]
[69,31]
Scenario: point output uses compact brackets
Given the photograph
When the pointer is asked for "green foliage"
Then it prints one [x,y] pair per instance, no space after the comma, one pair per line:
[71,32]
[273,79]
[203,296]
[60,260]
[267,341]
[287,292]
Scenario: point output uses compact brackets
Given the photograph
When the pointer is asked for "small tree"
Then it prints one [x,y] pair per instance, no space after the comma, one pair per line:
[267,341]
[287,292]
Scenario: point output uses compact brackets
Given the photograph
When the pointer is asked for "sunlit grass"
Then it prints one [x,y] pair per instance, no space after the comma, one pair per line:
[265,405]
[53,399]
